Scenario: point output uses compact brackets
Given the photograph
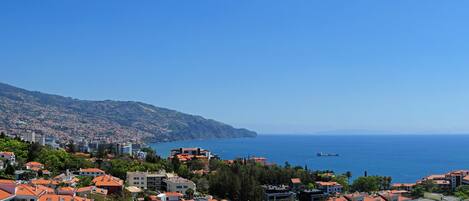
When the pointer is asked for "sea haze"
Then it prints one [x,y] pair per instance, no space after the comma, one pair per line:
[406,158]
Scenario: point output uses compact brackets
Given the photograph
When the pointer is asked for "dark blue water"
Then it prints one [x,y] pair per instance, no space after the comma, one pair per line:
[405,158]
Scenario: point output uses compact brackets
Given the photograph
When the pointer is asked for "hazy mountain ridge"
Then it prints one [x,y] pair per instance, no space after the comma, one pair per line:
[26,111]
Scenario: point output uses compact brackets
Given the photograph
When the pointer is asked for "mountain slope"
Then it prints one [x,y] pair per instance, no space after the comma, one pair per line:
[23,111]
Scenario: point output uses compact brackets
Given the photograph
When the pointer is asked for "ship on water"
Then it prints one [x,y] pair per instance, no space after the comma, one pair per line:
[320,154]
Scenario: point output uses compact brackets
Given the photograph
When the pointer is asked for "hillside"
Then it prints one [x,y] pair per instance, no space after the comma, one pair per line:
[23,111]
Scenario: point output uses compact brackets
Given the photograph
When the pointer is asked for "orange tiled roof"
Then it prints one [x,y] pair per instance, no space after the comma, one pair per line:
[466,178]
[296,180]
[66,188]
[45,188]
[50,197]
[85,189]
[28,190]
[7,153]
[34,163]
[341,198]
[435,176]
[172,194]
[91,170]
[107,180]
[101,191]
[403,185]
[44,182]
[330,183]
[7,181]
[4,195]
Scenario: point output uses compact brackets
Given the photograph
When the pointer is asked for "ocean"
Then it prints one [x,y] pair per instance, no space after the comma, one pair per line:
[406,158]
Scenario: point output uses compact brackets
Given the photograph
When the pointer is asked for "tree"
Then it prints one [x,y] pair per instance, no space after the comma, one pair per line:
[71,147]
[85,181]
[33,151]
[190,193]
[348,174]
[202,185]
[9,170]
[366,184]
[371,184]
[462,192]
[417,191]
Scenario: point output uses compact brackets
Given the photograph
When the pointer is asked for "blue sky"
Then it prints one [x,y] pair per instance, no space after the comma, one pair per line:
[272,66]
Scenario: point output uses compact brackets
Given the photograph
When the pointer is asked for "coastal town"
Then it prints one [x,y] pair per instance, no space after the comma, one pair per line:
[91,171]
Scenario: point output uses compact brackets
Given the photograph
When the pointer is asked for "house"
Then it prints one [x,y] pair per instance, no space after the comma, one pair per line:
[29,193]
[35,166]
[67,190]
[403,186]
[258,160]
[92,172]
[465,180]
[45,182]
[134,191]
[204,198]
[278,193]
[179,184]
[46,189]
[8,156]
[108,182]
[52,197]
[146,180]
[187,154]
[311,195]
[6,196]
[89,190]
[386,196]
[170,196]
[191,151]
[329,187]
[295,184]
[8,185]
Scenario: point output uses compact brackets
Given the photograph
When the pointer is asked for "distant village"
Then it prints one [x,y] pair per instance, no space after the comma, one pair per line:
[34,182]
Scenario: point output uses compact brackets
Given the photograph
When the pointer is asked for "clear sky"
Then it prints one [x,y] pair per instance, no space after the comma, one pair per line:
[296,66]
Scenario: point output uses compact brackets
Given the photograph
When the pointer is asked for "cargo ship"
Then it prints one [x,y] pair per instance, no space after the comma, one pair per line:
[326,154]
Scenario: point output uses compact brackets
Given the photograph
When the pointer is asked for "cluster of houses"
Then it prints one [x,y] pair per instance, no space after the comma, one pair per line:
[444,182]
[297,191]
[64,187]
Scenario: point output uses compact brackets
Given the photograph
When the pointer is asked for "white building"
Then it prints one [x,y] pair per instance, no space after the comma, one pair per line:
[179,184]
[30,137]
[170,196]
[92,172]
[329,187]
[147,180]
[10,156]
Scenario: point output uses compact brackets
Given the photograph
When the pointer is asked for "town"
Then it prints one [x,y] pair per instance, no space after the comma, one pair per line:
[43,169]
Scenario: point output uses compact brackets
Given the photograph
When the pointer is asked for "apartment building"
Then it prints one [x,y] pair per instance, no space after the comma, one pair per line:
[147,180]
[178,184]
